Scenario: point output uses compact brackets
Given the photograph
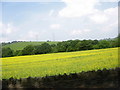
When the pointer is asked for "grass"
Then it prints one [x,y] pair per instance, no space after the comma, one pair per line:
[21,45]
[59,63]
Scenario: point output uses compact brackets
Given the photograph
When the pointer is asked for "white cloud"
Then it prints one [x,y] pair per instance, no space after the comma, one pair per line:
[109,0]
[78,32]
[110,27]
[7,29]
[51,12]
[1,27]
[32,34]
[78,8]
[112,11]
[55,26]
[30,0]
[86,30]
[99,18]
[106,16]
[49,0]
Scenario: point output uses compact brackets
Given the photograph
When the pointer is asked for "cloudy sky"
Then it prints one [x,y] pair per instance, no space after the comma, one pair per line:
[58,20]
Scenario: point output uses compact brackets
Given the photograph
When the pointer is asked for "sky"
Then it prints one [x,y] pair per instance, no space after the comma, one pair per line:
[58,20]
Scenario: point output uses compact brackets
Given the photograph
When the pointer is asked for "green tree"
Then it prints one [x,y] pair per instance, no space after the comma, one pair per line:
[73,46]
[78,46]
[62,46]
[54,48]
[7,52]
[18,53]
[43,48]
[86,45]
[104,44]
[95,42]
[28,50]
[46,48]
[96,46]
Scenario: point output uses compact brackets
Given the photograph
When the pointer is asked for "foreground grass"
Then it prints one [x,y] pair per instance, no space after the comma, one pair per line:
[59,63]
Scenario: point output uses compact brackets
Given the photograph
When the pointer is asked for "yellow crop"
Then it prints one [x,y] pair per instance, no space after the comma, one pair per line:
[59,63]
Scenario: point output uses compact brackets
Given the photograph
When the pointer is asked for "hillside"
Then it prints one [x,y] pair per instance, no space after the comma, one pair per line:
[21,45]
[59,63]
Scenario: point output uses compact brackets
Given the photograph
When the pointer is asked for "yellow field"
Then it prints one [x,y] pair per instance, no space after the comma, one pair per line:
[59,63]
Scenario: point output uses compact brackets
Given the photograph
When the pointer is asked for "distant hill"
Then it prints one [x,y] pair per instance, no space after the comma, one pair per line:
[20,45]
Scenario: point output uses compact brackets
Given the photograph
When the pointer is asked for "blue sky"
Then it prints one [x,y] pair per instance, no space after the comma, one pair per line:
[64,20]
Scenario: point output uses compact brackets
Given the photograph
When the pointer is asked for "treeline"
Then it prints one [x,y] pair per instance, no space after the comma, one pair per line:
[64,46]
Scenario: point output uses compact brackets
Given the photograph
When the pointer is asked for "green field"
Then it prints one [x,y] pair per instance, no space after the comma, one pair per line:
[59,63]
[21,45]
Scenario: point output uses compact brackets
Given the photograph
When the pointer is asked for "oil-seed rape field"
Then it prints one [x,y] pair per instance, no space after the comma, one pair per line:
[59,63]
